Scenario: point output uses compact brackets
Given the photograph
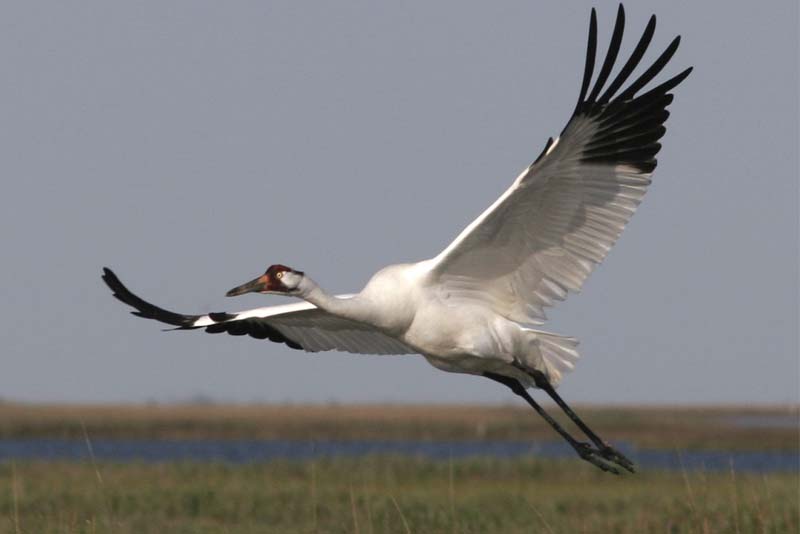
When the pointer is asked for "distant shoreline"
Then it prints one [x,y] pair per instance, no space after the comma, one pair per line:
[696,427]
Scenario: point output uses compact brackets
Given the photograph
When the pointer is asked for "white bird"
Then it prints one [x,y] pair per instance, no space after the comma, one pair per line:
[472,308]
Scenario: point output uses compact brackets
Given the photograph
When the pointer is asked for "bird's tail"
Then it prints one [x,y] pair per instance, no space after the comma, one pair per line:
[551,354]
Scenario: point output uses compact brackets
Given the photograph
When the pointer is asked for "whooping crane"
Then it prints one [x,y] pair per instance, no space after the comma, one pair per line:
[471,308]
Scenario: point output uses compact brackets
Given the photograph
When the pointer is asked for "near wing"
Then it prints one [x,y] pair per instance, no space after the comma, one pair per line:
[300,326]
[561,216]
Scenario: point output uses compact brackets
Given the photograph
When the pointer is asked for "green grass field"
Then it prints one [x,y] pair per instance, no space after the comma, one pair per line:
[386,494]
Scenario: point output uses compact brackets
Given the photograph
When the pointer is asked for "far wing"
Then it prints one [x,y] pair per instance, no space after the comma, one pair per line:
[563,214]
[300,326]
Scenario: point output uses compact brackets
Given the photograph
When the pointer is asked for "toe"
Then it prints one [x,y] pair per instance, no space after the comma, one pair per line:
[612,455]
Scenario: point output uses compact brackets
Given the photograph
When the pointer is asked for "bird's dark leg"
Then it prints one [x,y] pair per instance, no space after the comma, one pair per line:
[584,450]
[606,451]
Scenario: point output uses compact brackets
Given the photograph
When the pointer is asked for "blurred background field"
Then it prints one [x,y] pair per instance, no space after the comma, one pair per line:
[388,494]
[376,493]
[684,427]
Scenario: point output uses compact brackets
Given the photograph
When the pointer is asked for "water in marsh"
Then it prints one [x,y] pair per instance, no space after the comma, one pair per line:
[243,451]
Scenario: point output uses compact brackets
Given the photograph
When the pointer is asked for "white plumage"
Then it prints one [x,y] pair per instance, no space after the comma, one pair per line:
[471,308]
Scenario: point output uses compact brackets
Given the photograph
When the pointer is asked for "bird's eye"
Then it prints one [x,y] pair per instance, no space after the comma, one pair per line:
[279,275]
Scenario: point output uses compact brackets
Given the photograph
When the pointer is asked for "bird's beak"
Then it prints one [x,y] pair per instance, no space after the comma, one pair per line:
[262,283]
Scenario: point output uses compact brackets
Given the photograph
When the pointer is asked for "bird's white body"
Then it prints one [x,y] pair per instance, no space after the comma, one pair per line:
[405,302]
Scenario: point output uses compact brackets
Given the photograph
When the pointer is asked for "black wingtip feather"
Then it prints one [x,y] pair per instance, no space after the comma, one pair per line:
[591,50]
[221,316]
[224,321]
[544,150]
[628,126]
[144,308]
[611,55]
[652,72]
[633,61]
[667,86]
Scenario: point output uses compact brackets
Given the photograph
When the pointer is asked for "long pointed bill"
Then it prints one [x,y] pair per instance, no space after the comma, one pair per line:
[261,283]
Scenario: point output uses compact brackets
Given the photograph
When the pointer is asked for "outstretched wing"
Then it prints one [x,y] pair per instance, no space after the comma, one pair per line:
[300,326]
[561,216]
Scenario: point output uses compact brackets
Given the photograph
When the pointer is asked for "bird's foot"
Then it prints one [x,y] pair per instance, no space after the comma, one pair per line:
[602,457]
[593,456]
[610,454]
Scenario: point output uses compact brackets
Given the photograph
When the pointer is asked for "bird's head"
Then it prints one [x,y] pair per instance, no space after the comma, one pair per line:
[278,279]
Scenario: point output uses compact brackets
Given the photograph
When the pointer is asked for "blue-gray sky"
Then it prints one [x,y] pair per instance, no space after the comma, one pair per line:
[188,145]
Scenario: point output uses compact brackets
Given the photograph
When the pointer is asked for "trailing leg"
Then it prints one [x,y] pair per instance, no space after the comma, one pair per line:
[606,451]
[584,450]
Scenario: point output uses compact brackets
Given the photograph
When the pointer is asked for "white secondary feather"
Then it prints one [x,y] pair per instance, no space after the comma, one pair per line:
[545,234]
[315,329]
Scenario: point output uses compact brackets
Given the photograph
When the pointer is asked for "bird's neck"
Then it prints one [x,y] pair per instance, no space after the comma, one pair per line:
[355,308]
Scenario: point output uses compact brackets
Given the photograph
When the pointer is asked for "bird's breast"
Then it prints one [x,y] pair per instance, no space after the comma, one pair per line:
[442,330]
